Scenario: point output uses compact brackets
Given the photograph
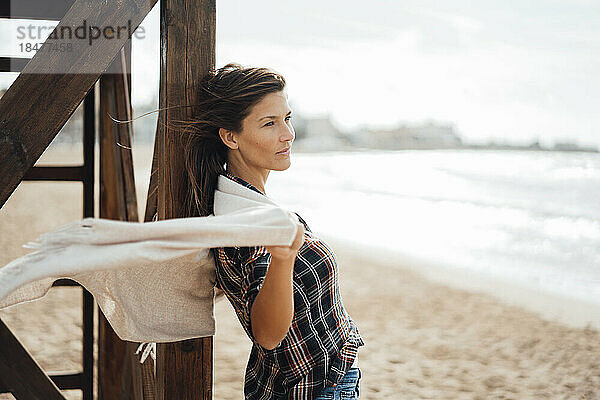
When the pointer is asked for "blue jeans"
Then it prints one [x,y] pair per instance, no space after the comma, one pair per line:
[347,387]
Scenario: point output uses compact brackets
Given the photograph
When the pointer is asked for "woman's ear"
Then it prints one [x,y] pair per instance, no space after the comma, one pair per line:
[228,137]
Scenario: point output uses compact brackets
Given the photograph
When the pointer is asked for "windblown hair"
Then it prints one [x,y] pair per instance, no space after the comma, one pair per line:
[226,98]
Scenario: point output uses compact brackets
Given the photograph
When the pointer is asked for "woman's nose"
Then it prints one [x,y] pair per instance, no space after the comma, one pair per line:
[288,134]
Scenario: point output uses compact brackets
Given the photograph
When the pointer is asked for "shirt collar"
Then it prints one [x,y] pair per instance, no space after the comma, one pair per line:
[242,182]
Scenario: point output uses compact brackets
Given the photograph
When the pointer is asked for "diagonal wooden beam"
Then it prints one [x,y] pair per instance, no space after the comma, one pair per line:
[54,82]
[21,374]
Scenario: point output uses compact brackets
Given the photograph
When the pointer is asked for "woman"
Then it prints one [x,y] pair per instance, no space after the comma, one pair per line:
[287,299]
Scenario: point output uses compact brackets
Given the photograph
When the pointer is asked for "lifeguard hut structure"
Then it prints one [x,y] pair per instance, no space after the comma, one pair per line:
[49,88]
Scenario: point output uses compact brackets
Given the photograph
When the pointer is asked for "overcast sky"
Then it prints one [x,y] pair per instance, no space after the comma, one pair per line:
[510,70]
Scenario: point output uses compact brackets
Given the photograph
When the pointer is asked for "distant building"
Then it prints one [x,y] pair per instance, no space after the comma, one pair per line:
[570,146]
[318,134]
[535,145]
[425,136]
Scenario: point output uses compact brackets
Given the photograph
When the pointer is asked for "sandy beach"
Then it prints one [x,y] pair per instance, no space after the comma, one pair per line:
[423,340]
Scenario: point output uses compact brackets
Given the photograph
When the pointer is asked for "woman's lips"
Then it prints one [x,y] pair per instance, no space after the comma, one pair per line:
[284,152]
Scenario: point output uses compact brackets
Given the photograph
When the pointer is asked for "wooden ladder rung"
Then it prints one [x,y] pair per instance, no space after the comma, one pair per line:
[13,64]
[57,173]
[67,381]
[64,381]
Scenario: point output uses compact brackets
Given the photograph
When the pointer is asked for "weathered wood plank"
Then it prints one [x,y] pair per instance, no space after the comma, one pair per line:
[113,381]
[121,376]
[21,374]
[112,192]
[117,187]
[184,369]
[125,134]
[53,83]
[148,380]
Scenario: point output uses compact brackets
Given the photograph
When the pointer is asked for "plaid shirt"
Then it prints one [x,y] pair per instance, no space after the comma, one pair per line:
[322,341]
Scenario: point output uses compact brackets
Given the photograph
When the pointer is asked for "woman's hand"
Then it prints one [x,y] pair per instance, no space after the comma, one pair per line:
[284,253]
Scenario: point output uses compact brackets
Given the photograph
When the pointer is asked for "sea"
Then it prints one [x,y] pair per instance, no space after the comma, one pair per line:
[527,217]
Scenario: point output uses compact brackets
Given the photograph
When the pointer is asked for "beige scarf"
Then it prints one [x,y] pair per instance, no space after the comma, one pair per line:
[153,281]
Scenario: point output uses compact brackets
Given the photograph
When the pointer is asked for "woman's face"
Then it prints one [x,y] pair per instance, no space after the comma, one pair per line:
[266,137]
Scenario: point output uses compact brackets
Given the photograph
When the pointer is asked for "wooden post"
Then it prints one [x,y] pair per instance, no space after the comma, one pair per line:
[120,376]
[111,349]
[184,369]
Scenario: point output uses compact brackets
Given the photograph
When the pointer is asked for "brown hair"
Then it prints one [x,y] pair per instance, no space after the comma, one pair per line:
[226,98]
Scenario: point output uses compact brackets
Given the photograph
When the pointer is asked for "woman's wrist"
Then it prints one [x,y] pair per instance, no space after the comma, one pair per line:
[284,259]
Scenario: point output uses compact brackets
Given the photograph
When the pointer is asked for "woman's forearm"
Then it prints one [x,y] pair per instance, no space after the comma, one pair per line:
[273,309]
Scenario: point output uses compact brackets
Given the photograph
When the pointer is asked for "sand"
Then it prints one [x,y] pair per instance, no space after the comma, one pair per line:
[423,340]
